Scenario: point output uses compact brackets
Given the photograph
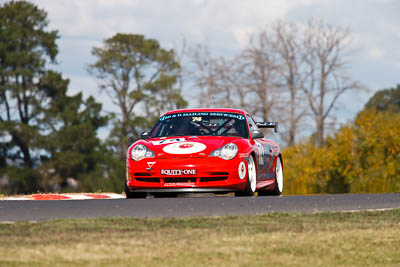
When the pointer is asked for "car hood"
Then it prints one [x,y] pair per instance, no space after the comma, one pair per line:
[186,146]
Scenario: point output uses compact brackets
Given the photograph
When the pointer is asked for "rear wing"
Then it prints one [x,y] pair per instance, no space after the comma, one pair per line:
[268,124]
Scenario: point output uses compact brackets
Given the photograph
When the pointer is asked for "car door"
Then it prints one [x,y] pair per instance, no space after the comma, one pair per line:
[262,151]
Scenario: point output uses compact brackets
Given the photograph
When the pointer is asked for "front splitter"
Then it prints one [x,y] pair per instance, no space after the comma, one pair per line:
[185,190]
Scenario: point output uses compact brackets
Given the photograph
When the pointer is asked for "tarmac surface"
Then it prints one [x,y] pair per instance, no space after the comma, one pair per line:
[190,205]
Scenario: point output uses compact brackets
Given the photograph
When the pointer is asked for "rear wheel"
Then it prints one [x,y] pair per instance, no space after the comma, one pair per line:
[278,178]
[251,180]
[278,185]
[133,194]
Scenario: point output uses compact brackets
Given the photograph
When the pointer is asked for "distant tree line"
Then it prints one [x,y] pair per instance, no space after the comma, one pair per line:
[49,137]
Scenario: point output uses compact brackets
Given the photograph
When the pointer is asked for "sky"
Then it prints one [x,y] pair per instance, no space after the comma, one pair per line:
[225,25]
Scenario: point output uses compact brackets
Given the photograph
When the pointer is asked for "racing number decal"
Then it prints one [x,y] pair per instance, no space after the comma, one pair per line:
[271,153]
[261,153]
[266,154]
[168,141]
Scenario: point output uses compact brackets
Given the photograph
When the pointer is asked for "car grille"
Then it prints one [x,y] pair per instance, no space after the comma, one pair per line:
[212,179]
[180,180]
[142,174]
[148,180]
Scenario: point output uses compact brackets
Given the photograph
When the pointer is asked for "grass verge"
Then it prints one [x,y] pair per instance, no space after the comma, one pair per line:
[286,239]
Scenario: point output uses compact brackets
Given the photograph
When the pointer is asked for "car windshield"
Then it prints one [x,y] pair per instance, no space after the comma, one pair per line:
[201,123]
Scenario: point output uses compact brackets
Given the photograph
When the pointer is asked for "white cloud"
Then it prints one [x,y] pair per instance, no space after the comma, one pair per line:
[376,53]
[242,35]
[103,18]
[367,45]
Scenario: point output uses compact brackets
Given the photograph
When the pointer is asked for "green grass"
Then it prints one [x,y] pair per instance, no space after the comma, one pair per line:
[283,239]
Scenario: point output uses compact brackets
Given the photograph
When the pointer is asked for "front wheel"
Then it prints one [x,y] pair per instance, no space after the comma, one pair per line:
[132,194]
[251,180]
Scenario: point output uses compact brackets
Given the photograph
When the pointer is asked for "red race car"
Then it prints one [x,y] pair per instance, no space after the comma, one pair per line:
[204,150]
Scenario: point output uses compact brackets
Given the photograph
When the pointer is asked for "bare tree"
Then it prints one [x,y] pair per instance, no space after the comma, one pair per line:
[257,79]
[282,69]
[260,66]
[247,81]
[212,76]
[290,68]
[326,78]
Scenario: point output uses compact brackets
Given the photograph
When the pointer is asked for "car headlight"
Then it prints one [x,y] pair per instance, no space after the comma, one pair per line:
[226,152]
[140,152]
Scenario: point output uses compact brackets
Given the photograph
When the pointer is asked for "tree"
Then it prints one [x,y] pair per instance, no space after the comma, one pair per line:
[260,67]
[278,72]
[387,99]
[46,136]
[220,80]
[247,81]
[291,64]
[25,48]
[360,157]
[139,77]
[72,147]
[277,67]
[326,79]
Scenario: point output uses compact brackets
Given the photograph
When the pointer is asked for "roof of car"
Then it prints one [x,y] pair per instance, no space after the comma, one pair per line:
[207,110]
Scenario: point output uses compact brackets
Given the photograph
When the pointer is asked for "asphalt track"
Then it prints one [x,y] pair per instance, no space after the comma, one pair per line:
[27,210]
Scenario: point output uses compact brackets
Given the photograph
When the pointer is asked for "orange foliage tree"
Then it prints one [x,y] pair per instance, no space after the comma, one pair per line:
[359,158]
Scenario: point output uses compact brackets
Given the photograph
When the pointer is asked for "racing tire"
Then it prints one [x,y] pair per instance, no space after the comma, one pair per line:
[251,180]
[132,194]
[278,184]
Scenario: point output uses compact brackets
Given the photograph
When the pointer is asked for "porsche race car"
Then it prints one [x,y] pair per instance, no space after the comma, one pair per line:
[204,150]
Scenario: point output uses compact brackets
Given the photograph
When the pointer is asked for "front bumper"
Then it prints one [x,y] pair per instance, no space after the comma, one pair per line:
[212,175]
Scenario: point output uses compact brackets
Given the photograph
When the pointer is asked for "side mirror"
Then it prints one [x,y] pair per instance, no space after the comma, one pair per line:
[145,135]
[257,134]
